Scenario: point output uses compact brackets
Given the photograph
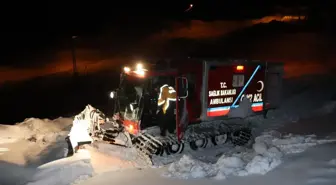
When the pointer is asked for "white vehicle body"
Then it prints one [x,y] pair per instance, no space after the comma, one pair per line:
[85,126]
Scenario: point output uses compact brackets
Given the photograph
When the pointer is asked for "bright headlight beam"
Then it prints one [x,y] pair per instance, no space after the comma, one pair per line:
[139,66]
[127,69]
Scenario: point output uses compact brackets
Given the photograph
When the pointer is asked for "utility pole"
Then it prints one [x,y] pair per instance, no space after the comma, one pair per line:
[74,55]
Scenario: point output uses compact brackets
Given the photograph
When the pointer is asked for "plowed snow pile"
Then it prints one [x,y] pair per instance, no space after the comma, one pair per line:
[29,144]
[267,153]
[34,129]
[44,130]
[34,141]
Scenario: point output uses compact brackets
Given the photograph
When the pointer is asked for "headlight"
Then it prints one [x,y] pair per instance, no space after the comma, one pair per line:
[127,69]
[139,66]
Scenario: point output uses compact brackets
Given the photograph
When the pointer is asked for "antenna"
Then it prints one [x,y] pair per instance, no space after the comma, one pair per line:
[74,63]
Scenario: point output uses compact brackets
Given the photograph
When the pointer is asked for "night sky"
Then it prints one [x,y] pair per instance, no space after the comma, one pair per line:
[36,44]
[31,28]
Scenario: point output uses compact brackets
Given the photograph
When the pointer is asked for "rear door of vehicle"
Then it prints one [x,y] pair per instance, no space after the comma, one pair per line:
[226,83]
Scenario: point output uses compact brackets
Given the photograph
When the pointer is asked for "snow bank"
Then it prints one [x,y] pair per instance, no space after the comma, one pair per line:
[45,125]
[34,141]
[64,171]
[188,167]
[267,153]
[44,130]
[35,130]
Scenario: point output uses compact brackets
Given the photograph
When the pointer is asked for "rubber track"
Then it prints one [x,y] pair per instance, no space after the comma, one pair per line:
[149,145]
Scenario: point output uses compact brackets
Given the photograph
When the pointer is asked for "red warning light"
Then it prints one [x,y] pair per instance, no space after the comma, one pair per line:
[240,68]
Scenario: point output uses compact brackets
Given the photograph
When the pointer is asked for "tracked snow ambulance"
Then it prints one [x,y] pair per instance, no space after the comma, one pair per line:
[188,102]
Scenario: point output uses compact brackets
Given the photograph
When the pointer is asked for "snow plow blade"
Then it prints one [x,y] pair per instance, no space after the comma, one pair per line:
[71,149]
[78,136]
[91,125]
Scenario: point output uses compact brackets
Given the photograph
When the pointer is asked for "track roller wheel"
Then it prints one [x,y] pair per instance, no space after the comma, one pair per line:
[219,139]
[241,136]
[199,143]
[159,151]
[175,148]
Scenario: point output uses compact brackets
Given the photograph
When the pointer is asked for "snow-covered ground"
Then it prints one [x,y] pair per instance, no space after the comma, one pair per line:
[64,171]
[315,166]
[29,144]
[295,145]
[266,154]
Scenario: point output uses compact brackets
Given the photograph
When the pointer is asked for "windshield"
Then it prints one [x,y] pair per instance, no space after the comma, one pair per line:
[130,96]
[151,100]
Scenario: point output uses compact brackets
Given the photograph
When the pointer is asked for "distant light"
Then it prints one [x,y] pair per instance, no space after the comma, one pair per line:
[189,8]
[74,37]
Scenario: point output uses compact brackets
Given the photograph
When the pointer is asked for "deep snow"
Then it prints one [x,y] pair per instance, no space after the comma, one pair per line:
[315,166]
[64,171]
[34,141]
[266,154]
[27,149]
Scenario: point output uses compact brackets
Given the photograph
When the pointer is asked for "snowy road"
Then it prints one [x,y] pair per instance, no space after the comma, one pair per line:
[315,166]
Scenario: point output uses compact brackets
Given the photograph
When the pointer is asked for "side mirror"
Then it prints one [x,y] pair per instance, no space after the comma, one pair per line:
[182,83]
[113,94]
